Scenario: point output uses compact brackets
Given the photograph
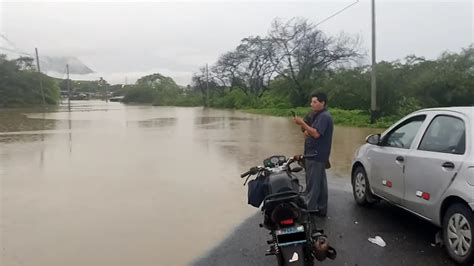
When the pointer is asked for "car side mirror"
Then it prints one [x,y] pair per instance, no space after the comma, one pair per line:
[373,139]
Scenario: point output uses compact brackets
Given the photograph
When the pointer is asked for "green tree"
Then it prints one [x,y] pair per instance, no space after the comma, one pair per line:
[20,84]
[155,89]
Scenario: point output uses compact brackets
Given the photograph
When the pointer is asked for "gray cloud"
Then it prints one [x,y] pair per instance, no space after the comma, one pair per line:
[178,37]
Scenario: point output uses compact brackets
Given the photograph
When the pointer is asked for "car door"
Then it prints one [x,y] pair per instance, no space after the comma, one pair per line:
[387,160]
[433,165]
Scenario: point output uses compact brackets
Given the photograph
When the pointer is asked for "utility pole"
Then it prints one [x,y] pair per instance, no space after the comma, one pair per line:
[103,83]
[106,91]
[373,94]
[207,86]
[68,89]
[40,79]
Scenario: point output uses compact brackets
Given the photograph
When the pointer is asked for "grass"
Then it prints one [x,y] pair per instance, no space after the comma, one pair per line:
[356,118]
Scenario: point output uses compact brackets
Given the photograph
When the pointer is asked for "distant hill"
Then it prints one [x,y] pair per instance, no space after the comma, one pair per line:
[58,64]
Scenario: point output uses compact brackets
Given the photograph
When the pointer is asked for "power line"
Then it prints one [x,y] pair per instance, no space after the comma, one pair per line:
[15,51]
[6,39]
[338,12]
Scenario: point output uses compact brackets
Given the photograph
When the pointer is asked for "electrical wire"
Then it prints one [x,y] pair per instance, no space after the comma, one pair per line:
[338,12]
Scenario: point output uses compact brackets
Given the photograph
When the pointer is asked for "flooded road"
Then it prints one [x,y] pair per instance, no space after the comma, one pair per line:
[109,184]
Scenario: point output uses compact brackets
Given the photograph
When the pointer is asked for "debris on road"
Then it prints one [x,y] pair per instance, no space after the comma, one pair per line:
[378,241]
[438,239]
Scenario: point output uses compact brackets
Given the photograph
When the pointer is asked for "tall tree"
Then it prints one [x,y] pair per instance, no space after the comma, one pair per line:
[302,53]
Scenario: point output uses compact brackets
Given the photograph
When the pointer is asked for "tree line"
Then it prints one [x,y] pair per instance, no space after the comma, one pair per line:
[295,52]
[282,68]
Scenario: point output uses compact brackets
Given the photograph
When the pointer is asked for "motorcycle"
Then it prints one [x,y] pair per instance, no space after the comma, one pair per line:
[295,240]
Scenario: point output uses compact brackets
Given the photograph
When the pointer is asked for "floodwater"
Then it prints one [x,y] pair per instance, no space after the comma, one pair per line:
[110,184]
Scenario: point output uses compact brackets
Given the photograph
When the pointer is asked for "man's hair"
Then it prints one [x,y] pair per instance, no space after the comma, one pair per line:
[322,97]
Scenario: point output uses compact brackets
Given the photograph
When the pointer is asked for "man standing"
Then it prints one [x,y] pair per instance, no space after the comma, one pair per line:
[317,149]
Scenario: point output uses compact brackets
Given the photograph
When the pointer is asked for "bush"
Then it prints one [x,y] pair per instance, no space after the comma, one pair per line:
[235,99]
[357,118]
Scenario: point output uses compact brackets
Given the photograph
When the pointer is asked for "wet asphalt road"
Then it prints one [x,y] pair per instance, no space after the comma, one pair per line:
[409,239]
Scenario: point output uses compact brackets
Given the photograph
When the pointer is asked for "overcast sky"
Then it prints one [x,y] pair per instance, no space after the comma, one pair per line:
[175,38]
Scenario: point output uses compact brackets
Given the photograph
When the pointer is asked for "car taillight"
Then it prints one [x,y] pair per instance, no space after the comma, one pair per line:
[425,196]
[287,222]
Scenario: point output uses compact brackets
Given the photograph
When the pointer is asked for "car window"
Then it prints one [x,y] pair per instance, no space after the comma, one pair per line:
[403,135]
[445,134]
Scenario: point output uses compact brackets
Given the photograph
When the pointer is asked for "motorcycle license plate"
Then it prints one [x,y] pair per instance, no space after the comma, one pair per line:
[290,230]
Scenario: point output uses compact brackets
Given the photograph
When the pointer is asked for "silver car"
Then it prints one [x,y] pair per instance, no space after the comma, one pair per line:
[424,163]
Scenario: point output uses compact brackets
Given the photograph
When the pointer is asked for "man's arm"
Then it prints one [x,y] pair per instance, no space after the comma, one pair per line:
[311,131]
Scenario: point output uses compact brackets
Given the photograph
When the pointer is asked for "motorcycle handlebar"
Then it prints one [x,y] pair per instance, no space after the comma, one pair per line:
[245,174]
[295,158]
[251,171]
[298,158]
[254,170]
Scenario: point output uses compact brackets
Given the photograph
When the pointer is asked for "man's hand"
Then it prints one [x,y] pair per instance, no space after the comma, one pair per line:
[298,157]
[307,129]
[298,120]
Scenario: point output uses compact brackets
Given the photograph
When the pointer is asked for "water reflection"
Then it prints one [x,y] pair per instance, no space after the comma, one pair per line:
[17,120]
[42,140]
[157,122]
[15,138]
[70,130]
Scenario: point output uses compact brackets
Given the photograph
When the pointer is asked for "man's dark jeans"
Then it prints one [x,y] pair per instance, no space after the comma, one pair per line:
[316,186]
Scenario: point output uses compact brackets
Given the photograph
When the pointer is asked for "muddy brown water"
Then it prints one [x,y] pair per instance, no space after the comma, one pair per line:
[109,184]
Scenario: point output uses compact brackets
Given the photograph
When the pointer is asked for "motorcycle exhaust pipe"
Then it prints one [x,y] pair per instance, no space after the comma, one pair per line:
[321,248]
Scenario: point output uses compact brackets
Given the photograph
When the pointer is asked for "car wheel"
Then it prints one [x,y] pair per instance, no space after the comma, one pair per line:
[458,229]
[361,187]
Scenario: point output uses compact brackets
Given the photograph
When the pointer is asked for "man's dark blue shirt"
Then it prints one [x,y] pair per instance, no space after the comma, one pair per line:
[319,149]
